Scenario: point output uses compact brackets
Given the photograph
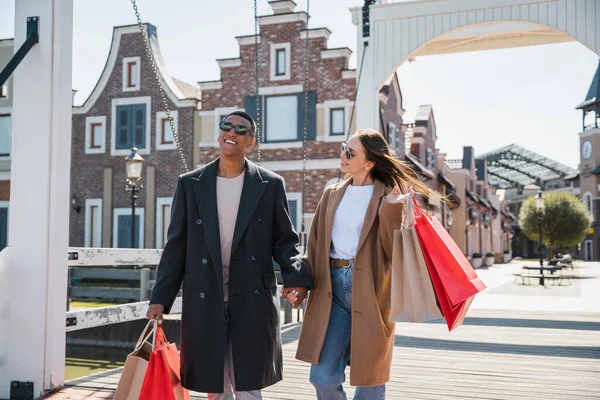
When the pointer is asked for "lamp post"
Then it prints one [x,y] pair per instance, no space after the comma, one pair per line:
[539,205]
[133,169]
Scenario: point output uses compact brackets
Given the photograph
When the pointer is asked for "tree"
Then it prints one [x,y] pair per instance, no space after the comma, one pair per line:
[564,222]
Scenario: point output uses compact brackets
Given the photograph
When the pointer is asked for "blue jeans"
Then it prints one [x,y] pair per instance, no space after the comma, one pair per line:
[229,392]
[328,375]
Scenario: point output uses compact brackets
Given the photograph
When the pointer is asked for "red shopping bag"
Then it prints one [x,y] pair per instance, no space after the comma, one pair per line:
[456,274]
[162,379]
[454,280]
[453,314]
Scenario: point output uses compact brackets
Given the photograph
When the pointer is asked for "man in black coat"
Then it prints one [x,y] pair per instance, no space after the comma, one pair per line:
[229,221]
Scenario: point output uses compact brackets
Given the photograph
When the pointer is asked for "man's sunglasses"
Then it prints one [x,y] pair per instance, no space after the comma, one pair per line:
[239,129]
[345,149]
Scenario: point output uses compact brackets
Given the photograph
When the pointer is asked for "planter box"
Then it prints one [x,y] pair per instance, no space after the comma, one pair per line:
[505,258]
[488,261]
[476,262]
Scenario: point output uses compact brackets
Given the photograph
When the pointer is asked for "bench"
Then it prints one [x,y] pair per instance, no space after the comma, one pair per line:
[525,277]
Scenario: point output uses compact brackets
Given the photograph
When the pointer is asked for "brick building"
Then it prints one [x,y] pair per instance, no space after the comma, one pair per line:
[125,110]
[331,88]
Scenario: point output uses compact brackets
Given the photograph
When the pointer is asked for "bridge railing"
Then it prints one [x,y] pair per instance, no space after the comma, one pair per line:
[105,263]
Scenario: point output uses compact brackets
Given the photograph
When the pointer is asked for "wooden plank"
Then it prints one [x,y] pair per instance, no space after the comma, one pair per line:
[476,361]
[87,256]
[112,315]
[109,273]
[104,292]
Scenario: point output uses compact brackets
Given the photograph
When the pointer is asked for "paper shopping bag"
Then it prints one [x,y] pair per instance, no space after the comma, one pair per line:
[413,296]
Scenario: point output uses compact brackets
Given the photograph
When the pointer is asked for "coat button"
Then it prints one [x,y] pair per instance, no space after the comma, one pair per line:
[204,261]
[257,292]
[202,295]
[198,221]
[253,258]
[259,218]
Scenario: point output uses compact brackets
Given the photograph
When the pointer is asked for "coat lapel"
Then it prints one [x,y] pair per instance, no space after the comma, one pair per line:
[205,191]
[372,211]
[334,201]
[252,191]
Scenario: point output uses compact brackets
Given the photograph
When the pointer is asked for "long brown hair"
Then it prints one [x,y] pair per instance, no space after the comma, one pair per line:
[389,169]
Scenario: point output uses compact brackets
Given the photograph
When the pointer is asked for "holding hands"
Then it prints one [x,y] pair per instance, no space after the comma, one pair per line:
[295,295]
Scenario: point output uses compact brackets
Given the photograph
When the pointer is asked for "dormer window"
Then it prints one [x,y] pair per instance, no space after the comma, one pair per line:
[280,61]
[131,74]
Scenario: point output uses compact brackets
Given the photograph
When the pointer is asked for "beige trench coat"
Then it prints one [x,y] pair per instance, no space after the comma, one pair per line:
[372,338]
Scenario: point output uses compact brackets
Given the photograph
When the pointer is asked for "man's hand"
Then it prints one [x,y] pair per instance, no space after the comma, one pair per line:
[155,311]
[295,295]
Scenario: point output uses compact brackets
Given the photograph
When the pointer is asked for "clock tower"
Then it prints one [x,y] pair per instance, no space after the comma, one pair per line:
[589,166]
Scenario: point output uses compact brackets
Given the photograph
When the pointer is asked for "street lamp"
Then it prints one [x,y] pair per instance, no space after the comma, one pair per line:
[539,205]
[133,169]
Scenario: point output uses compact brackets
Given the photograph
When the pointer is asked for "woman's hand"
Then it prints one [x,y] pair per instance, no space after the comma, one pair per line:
[395,197]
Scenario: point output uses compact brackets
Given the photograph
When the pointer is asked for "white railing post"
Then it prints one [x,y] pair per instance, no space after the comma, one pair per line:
[145,284]
[32,330]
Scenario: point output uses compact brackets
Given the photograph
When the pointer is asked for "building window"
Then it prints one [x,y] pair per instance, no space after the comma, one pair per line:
[588,201]
[295,206]
[3,224]
[163,219]
[280,61]
[337,118]
[164,134]
[430,162]
[281,119]
[93,223]
[122,228]
[95,135]
[4,92]
[280,67]
[131,74]
[5,135]
[130,125]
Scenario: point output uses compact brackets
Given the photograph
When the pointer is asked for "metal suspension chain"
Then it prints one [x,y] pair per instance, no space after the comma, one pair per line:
[256,82]
[304,134]
[157,78]
[362,61]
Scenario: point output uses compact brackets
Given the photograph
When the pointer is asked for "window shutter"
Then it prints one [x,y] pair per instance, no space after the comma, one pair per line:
[250,107]
[138,126]
[123,134]
[311,126]
[124,231]
[3,227]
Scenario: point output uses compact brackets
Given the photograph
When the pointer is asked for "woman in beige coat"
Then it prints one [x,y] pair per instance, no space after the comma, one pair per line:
[349,255]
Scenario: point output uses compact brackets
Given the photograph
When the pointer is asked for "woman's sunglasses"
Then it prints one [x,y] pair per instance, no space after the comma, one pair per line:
[345,149]
[239,129]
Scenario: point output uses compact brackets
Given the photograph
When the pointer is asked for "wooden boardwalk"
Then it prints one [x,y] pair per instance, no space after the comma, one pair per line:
[495,355]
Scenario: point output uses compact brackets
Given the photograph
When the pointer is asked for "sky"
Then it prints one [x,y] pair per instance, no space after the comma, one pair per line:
[487,100]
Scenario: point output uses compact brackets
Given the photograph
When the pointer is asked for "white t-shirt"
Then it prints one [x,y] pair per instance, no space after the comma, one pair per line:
[348,221]
[229,192]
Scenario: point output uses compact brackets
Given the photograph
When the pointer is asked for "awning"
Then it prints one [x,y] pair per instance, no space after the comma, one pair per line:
[418,167]
[454,200]
[472,196]
[449,184]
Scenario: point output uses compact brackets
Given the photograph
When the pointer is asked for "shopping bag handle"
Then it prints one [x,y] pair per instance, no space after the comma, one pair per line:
[410,210]
[144,337]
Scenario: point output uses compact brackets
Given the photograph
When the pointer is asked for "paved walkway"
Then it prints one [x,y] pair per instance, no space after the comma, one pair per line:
[518,342]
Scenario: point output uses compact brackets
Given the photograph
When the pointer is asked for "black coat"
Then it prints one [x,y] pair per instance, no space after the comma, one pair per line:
[192,256]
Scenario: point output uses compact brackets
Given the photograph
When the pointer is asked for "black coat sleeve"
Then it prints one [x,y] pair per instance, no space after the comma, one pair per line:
[285,245]
[172,263]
